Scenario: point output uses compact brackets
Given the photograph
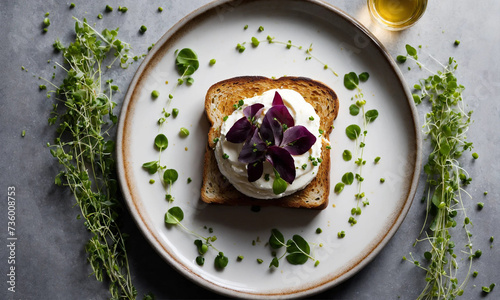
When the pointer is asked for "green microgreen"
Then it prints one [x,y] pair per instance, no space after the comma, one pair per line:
[279,184]
[371,115]
[255,42]
[187,63]
[297,249]
[170,176]
[174,216]
[161,142]
[221,261]
[84,119]
[240,47]
[184,132]
[348,178]
[155,94]
[339,187]
[364,76]
[445,125]
[357,134]
[152,166]
[488,289]
[353,131]
[346,155]
[354,110]
[351,81]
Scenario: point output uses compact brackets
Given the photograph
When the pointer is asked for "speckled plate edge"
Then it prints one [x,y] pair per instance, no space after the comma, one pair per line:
[127,186]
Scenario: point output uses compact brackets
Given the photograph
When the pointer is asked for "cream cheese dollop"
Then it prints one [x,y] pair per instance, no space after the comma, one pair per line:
[227,153]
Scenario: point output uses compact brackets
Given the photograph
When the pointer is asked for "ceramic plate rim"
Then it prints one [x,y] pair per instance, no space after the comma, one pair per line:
[139,219]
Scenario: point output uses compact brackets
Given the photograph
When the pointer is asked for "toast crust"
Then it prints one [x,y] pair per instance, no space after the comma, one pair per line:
[219,103]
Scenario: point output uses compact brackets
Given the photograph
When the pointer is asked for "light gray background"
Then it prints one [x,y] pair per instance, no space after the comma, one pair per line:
[50,258]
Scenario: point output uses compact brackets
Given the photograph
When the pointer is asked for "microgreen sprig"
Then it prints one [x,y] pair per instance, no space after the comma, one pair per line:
[298,251]
[255,42]
[358,134]
[85,151]
[446,126]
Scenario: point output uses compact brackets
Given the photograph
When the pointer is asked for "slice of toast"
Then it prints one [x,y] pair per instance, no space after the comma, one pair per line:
[219,103]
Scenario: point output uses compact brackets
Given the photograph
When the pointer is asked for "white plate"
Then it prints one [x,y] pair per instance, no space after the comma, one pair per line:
[339,41]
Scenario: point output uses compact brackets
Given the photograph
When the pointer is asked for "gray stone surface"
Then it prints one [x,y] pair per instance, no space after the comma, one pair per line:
[50,259]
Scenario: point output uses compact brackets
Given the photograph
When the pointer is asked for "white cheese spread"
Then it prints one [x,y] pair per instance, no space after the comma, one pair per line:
[236,172]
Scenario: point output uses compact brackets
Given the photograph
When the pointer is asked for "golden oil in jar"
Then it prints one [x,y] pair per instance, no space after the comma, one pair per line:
[397,14]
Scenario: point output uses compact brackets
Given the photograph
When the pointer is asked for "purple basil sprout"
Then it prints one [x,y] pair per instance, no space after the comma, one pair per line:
[245,127]
[275,141]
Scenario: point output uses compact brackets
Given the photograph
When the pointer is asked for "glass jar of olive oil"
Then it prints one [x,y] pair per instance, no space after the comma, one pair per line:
[396,14]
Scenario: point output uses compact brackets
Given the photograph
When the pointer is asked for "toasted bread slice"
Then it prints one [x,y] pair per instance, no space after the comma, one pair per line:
[219,103]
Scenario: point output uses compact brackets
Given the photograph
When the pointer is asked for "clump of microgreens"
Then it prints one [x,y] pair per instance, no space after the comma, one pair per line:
[187,63]
[255,42]
[298,251]
[353,132]
[85,151]
[446,126]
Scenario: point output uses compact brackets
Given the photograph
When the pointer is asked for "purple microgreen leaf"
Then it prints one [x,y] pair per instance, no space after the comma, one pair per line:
[271,130]
[281,114]
[253,150]
[255,170]
[240,131]
[251,111]
[277,99]
[282,161]
[298,140]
